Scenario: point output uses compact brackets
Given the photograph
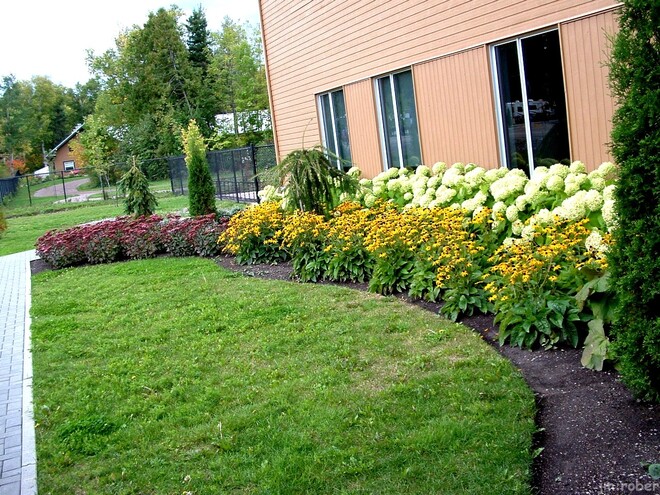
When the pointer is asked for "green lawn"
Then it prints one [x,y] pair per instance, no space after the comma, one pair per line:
[26,225]
[171,376]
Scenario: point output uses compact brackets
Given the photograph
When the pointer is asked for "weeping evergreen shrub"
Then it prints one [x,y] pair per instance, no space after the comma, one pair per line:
[635,257]
[139,200]
[313,184]
[201,191]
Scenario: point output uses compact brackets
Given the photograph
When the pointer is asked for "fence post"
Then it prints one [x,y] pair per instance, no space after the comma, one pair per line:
[29,192]
[233,167]
[63,186]
[253,152]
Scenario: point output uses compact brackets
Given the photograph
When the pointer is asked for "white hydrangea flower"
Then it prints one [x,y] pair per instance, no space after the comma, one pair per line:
[594,200]
[559,169]
[574,208]
[521,202]
[460,166]
[609,215]
[508,242]
[452,177]
[390,173]
[607,170]
[512,213]
[369,200]
[378,189]
[527,232]
[469,167]
[394,185]
[354,172]
[594,243]
[555,183]
[434,204]
[423,170]
[597,182]
[608,192]
[365,182]
[532,187]
[408,196]
[499,208]
[545,217]
[434,182]
[513,184]
[473,203]
[573,183]
[404,172]
[475,176]
[445,194]
[517,227]
[577,167]
[539,172]
[439,168]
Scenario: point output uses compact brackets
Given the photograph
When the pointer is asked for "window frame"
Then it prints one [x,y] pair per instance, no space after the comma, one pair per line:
[381,117]
[65,165]
[501,138]
[340,160]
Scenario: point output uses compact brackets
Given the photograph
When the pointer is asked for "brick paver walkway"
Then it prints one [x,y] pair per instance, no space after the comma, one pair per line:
[17,449]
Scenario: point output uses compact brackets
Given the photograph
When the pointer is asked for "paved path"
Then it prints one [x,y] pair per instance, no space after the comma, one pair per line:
[71,188]
[18,468]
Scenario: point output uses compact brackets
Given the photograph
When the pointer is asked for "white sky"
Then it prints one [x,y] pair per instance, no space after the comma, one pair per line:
[50,38]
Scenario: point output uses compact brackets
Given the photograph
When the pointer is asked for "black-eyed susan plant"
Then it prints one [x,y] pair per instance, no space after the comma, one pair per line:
[254,234]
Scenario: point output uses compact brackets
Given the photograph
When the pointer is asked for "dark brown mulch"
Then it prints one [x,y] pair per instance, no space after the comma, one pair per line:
[594,434]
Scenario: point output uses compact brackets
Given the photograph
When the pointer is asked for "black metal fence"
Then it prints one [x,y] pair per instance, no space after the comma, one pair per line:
[8,187]
[238,174]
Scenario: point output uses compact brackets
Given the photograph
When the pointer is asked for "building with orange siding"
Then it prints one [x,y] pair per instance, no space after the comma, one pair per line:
[62,155]
[402,82]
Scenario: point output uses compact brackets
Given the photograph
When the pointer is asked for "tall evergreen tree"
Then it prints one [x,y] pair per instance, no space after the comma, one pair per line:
[201,192]
[635,258]
[200,53]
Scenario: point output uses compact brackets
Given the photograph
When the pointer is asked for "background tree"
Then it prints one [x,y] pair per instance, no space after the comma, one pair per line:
[635,257]
[201,191]
[200,51]
[241,77]
[146,86]
[35,116]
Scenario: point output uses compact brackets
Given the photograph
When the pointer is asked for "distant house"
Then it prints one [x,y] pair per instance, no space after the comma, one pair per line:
[61,155]
[508,83]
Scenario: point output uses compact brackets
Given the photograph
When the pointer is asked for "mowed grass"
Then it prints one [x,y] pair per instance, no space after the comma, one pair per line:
[172,375]
[25,226]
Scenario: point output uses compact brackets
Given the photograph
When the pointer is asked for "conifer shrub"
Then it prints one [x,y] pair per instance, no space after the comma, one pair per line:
[139,201]
[635,258]
[201,191]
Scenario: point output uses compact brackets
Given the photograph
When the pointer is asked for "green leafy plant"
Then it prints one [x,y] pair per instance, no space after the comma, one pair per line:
[201,191]
[139,201]
[596,298]
[312,183]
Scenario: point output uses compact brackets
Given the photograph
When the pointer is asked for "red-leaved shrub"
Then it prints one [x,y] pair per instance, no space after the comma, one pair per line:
[132,238]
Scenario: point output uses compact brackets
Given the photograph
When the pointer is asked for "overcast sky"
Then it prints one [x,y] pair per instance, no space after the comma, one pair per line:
[50,38]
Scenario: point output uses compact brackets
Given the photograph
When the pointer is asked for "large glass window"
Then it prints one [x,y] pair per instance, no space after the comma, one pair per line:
[400,135]
[531,101]
[335,128]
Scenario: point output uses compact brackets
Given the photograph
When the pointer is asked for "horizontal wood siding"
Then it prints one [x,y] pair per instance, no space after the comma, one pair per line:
[586,49]
[455,109]
[313,46]
[363,127]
